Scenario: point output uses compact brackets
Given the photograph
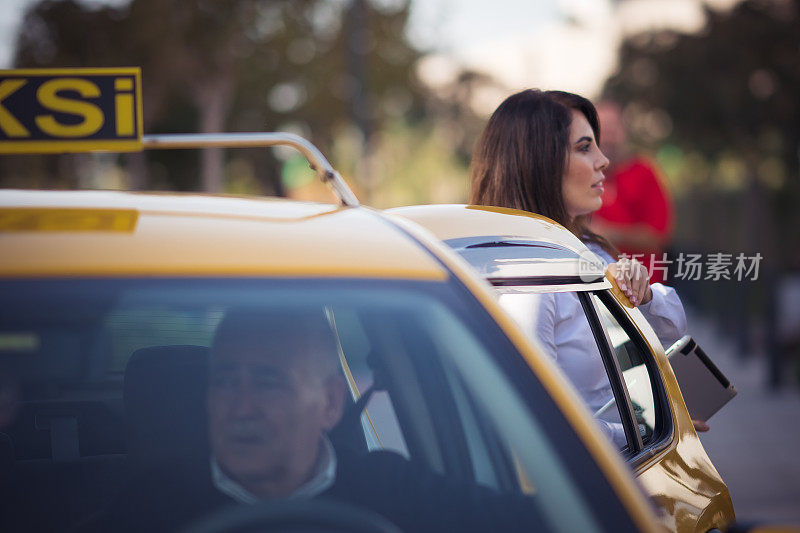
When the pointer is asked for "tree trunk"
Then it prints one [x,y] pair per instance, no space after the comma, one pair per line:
[136,165]
[213,99]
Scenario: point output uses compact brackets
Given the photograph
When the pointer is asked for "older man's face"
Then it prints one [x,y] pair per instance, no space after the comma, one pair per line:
[268,406]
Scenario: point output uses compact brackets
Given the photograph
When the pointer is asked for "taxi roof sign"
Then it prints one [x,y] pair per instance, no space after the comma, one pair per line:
[70,110]
[100,110]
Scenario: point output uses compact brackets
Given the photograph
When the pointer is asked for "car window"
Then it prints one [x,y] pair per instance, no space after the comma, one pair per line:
[557,321]
[637,367]
[494,410]
[107,378]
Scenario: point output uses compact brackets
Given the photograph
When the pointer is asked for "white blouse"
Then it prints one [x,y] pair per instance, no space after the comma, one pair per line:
[557,321]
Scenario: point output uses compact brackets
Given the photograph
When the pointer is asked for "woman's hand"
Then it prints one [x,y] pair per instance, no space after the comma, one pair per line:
[700,426]
[633,280]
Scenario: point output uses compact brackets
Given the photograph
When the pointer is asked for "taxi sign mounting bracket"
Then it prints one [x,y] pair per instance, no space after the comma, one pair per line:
[316,159]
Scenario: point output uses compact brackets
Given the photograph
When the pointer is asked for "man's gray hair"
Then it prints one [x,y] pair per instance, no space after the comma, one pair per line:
[304,331]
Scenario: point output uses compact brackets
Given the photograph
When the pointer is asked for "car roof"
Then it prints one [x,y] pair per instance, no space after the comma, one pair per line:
[512,248]
[110,233]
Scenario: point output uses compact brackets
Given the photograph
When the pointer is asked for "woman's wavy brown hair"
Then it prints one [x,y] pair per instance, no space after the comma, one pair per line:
[520,158]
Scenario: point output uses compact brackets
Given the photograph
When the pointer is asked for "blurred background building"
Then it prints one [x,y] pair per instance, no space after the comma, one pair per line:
[395,92]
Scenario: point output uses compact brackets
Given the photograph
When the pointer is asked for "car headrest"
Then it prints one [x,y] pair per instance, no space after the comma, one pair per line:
[165,403]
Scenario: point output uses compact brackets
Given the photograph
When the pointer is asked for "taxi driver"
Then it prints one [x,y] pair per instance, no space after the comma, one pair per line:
[275,389]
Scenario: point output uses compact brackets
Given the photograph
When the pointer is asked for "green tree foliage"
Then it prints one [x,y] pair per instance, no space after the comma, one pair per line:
[250,65]
[730,95]
[725,100]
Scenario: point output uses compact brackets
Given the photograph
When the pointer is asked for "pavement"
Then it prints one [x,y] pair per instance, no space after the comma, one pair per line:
[754,440]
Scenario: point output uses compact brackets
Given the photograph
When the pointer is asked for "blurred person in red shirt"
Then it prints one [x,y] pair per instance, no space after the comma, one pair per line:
[636,215]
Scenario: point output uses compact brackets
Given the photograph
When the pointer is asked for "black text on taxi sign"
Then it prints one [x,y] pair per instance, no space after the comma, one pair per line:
[69,110]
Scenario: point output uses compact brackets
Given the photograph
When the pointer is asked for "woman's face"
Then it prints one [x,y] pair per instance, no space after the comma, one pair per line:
[582,184]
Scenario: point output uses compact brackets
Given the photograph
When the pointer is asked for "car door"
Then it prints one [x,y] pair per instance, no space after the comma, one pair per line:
[636,403]
[666,453]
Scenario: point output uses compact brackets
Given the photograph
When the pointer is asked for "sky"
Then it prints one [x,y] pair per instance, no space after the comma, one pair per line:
[549,44]
[453,26]
[10,17]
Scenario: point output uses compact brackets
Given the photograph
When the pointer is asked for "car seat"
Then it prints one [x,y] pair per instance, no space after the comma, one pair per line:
[165,404]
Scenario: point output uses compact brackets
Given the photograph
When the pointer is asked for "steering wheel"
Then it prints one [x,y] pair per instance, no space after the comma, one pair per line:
[299,516]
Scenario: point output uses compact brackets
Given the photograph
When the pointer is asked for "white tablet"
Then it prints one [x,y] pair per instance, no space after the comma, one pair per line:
[704,387]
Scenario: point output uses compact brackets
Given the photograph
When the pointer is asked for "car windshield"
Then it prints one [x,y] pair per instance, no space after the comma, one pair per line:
[102,380]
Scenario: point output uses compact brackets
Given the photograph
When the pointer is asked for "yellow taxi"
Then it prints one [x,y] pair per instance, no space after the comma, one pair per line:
[527,257]
[111,300]
[165,356]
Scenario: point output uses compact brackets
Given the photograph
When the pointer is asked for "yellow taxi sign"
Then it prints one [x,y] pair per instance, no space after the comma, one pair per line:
[70,110]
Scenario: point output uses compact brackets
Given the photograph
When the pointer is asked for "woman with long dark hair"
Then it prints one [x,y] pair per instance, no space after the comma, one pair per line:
[539,153]
[525,160]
